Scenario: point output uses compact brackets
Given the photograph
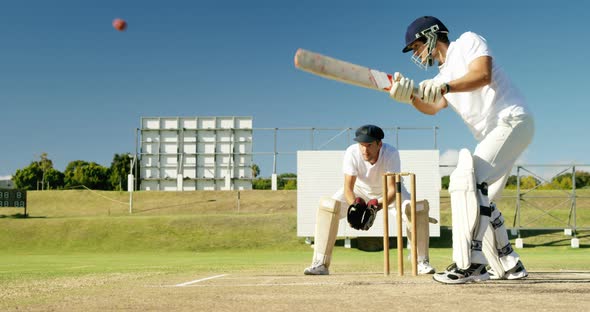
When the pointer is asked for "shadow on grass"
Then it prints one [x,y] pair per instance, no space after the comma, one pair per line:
[20,216]
[550,238]
[532,239]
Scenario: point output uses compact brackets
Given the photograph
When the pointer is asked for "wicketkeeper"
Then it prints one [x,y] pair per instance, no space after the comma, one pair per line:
[361,198]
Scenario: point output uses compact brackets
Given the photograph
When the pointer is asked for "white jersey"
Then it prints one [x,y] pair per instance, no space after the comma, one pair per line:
[481,108]
[369,177]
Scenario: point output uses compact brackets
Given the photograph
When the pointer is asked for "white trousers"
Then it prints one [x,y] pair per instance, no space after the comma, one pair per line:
[493,160]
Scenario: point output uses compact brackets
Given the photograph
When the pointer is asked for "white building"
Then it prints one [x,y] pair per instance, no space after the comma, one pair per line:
[6,182]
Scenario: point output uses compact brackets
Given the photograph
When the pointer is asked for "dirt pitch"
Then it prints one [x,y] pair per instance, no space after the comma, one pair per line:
[541,291]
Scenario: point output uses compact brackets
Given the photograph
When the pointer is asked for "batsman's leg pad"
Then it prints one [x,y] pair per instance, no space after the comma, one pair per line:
[422,227]
[491,253]
[326,229]
[469,219]
[504,251]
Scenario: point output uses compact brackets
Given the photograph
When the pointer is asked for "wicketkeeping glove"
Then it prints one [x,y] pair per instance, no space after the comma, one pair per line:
[361,215]
[372,208]
[356,211]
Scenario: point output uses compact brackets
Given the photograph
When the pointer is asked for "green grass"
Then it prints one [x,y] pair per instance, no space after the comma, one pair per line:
[73,233]
[150,233]
[21,267]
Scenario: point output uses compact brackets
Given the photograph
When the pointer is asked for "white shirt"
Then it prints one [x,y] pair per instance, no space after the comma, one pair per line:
[369,177]
[481,108]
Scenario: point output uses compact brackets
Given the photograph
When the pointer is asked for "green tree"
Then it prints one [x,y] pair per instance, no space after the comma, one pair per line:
[91,175]
[445,182]
[120,168]
[255,170]
[70,179]
[45,164]
[563,181]
[28,177]
[284,178]
[511,181]
[54,179]
[582,179]
[38,175]
[261,184]
[290,185]
[528,182]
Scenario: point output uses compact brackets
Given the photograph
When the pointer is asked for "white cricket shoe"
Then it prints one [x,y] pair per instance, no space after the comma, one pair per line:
[452,275]
[424,267]
[517,272]
[317,268]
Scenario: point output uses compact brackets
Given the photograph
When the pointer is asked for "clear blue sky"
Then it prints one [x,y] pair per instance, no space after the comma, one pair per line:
[73,87]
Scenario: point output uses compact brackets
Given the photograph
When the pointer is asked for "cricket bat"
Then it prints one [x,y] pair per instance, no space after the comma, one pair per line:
[343,71]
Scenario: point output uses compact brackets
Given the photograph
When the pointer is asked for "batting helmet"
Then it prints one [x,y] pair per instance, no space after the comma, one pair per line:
[420,27]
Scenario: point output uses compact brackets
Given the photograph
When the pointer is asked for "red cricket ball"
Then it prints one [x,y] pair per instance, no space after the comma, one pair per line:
[119,24]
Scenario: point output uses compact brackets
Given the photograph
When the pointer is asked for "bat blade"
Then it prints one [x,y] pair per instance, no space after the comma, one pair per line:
[342,71]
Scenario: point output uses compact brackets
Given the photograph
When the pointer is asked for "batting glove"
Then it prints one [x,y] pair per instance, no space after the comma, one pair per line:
[431,91]
[401,89]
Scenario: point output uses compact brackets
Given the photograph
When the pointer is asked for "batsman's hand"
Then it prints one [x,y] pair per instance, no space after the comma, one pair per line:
[431,91]
[401,89]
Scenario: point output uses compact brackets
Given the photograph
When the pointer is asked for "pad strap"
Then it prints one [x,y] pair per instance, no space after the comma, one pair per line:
[483,188]
[504,251]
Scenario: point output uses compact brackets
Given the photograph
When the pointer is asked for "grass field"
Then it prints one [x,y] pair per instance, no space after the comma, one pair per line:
[202,251]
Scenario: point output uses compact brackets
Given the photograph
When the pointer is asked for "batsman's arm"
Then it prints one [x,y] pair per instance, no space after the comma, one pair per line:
[429,109]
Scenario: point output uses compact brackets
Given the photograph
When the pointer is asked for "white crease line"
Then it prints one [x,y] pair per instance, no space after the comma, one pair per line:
[199,280]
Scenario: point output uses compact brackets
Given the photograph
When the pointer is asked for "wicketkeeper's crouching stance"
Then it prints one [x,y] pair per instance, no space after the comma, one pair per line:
[361,198]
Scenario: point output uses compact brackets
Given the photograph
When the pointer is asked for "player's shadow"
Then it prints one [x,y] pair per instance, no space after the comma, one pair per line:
[20,216]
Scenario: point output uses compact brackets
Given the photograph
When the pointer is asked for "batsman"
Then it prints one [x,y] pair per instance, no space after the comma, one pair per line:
[361,198]
[473,84]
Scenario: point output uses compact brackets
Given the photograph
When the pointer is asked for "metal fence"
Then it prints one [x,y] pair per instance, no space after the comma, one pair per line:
[547,206]
[275,149]
[550,206]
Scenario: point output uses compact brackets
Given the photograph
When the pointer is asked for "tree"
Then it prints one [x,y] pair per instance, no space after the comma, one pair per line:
[120,168]
[582,179]
[511,181]
[261,184]
[38,175]
[445,182]
[563,181]
[528,182]
[284,178]
[54,179]
[45,165]
[28,177]
[255,170]
[290,185]
[91,175]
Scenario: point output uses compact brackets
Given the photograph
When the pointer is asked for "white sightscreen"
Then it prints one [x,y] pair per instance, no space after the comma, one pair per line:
[319,173]
[196,153]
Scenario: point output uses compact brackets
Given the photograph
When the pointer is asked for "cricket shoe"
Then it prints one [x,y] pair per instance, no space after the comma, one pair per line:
[424,267]
[317,268]
[452,275]
[517,272]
